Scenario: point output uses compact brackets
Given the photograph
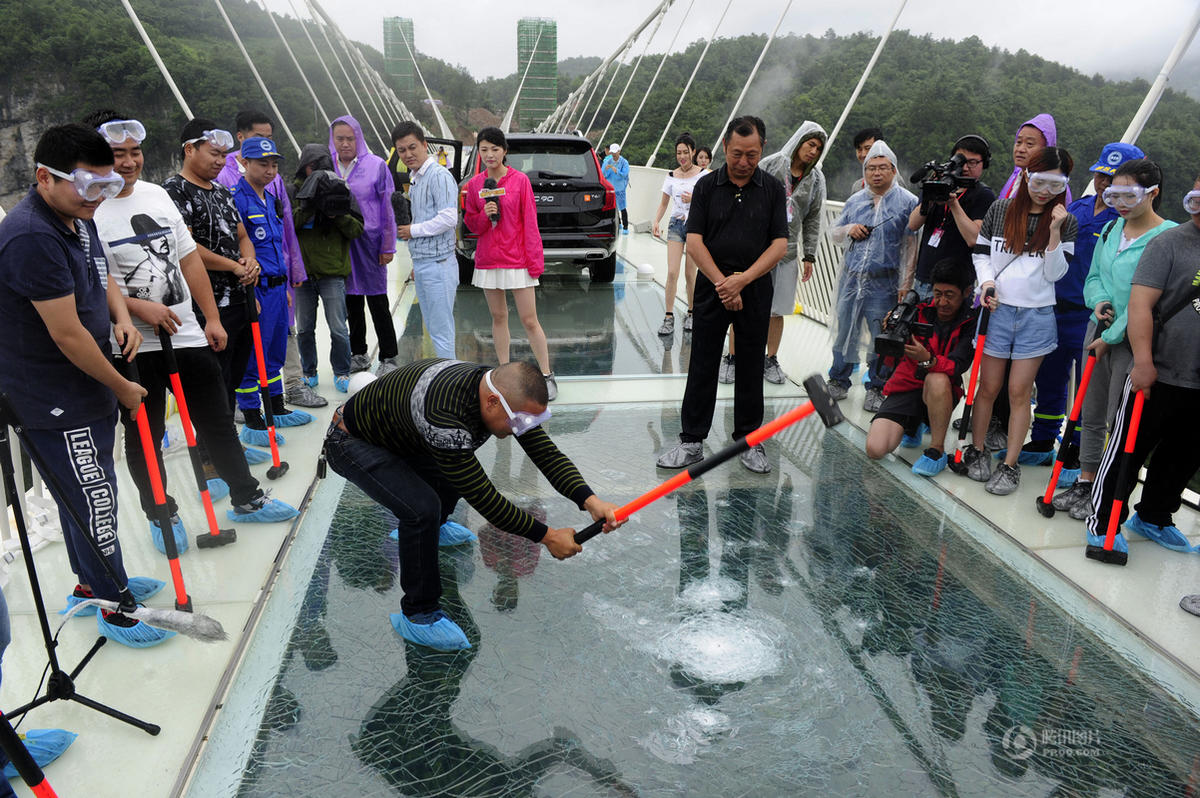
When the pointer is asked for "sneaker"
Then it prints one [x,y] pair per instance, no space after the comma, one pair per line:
[1077,493]
[725,373]
[303,395]
[1081,510]
[681,455]
[238,416]
[873,400]
[997,436]
[551,387]
[755,459]
[130,632]
[1006,479]
[1166,536]
[432,629]
[342,383]
[668,325]
[837,391]
[687,322]
[177,531]
[386,367]
[359,363]
[979,467]
[142,588]
[771,371]
[262,509]
[1038,453]
[1190,604]
[931,463]
[44,745]
[311,381]
[914,441]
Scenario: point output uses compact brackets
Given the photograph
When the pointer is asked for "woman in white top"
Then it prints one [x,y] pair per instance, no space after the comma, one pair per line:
[1021,252]
[677,190]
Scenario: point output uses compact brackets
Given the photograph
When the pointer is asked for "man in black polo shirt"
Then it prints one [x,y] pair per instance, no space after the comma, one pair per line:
[737,231]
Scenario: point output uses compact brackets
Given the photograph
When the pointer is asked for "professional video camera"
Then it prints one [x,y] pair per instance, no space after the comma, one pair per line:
[939,180]
[899,325]
[328,194]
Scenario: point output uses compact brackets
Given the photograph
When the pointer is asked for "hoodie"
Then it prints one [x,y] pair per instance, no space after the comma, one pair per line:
[805,197]
[371,184]
[324,241]
[880,255]
[1044,123]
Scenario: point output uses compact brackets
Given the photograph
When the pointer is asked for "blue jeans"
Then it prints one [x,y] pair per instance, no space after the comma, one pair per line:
[332,293]
[437,283]
[852,311]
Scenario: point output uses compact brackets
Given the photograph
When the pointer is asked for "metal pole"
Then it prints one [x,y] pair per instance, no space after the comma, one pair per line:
[620,99]
[324,66]
[292,55]
[737,103]
[1160,83]
[604,96]
[137,23]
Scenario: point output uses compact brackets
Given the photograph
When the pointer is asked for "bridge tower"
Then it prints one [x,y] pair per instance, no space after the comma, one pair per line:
[537,51]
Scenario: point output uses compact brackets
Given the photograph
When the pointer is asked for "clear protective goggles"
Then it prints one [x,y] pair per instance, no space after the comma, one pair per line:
[221,139]
[118,131]
[1047,181]
[1125,196]
[89,185]
[519,423]
[1191,202]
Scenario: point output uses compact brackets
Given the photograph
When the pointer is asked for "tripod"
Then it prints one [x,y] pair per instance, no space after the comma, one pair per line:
[61,685]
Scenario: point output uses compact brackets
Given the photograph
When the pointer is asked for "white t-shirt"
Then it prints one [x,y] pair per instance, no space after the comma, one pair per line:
[675,187]
[144,238]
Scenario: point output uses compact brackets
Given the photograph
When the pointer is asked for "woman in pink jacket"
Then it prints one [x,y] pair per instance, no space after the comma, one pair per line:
[508,256]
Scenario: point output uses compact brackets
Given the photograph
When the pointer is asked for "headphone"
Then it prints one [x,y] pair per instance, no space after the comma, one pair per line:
[979,142]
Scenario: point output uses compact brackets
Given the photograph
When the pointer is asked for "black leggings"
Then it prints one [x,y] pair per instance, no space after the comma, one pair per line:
[381,317]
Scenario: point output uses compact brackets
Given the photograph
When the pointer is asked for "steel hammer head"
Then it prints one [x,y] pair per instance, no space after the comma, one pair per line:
[818,394]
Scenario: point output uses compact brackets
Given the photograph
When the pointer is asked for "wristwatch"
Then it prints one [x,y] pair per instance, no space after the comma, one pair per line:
[928,363]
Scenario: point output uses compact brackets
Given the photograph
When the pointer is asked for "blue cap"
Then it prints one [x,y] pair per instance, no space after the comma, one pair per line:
[1115,154]
[259,147]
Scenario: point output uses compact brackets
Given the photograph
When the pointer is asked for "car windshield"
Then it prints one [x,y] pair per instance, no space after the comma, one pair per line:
[552,160]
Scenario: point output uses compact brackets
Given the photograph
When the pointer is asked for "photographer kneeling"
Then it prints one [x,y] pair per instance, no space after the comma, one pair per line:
[927,382]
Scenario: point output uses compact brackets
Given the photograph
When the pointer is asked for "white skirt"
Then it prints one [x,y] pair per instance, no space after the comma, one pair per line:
[508,279]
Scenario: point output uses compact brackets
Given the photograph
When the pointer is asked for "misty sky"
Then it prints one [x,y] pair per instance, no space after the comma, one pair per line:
[1113,37]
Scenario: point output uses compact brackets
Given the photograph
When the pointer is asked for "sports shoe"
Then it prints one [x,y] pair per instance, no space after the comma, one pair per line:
[914,441]
[217,489]
[551,387]
[979,468]
[681,455]
[432,629]
[130,632]
[311,381]
[255,456]
[1037,453]
[1006,479]
[1190,604]
[687,322]
[1081,510]
[771,371]
[997,436]
[1166,536]
[668,325]
[453,534]
[44,745]
[303,395]
[262,509]
[238,416]
[1079,492]
[342,383]
[873,400]
[181,538]
[287,418]
[931,463]
[725,373]
[142,588]
[386,367]
[837,391]
[359,363]
[755,459]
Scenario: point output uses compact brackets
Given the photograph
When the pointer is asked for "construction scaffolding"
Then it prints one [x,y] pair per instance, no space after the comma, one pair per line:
[398,49]
[537,51]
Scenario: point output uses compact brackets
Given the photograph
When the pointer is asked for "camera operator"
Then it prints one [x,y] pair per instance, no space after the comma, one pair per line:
[949,229]
[927,382]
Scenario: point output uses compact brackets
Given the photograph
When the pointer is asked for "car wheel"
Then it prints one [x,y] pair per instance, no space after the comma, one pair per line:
[466,268]
[603,271]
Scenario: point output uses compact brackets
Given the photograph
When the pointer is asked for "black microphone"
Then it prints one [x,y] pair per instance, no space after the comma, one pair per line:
[490,185]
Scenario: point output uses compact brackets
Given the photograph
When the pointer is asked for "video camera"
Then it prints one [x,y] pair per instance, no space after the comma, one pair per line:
[899,325]
[939,180]
[327,193]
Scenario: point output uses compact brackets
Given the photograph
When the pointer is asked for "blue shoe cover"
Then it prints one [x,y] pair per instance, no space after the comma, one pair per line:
[452,534]
[311,382]
[181,539]
[914,441]
[342,384]
[142,588]
[256,456]
[1068,477]
[139,635]
[258,437]
[296,418]
[1166,536]
[439,633]
[217,489]
[926,466]
[395,535]
[44,745]
[1119,543]
[1035,458]
[271,511]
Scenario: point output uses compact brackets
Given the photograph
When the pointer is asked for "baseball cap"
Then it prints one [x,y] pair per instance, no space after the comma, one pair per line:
[1115,154]
[614,148]
[259,147]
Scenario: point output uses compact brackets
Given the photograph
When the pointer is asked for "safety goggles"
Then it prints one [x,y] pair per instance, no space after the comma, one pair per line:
[519,423]
[1046,182]
[221,139]
[118,131]
[1191,202]
[89,185]
[1125,196]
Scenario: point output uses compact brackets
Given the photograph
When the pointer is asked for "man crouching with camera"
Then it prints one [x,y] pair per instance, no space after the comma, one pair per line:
[938,345]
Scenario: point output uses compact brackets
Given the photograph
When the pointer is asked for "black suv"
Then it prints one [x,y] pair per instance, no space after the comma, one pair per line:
[576,206]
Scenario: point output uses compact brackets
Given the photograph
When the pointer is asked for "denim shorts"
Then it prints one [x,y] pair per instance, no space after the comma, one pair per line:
[1021,333]
[677,230]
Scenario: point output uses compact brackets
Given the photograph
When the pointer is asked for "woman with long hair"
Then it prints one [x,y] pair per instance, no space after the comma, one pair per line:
[677,191]
[508,256]
[1020,253]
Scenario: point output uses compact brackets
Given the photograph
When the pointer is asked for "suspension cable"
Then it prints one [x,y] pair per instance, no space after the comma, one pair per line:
[292,55]
[137,23]
[657,72]
[746,87]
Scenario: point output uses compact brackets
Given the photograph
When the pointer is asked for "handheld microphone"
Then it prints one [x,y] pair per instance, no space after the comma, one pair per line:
[489,185]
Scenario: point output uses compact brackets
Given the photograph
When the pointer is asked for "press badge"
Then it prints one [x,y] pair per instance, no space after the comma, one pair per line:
[935,237]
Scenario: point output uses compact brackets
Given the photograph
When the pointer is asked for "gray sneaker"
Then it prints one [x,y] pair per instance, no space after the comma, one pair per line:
[837,391]
[771,371]
[551,387]
[725,374]
[359,363]
[1006,479]
[238,418]
[979,465]
[386,367]
[681,455]
[755,459]
[873,400]
[668,325]
[303,396]
[687,322]
[1077,493]
[1080,510]
[997,436]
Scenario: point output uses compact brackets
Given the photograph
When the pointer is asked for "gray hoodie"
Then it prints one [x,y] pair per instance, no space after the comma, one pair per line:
[806,198]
